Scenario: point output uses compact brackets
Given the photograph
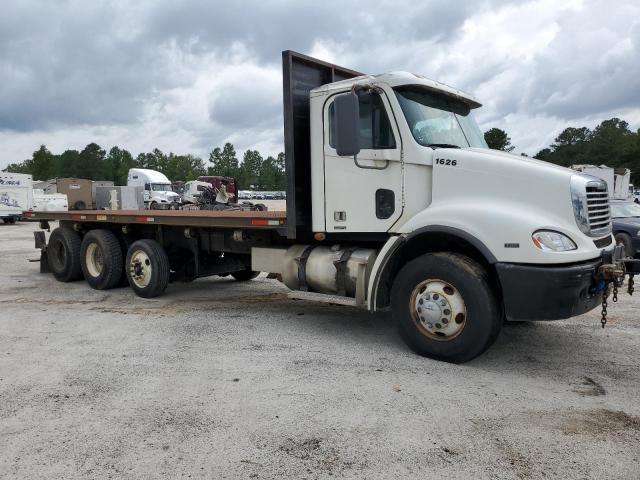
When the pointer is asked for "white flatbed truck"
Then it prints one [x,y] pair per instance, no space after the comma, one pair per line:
[393,201]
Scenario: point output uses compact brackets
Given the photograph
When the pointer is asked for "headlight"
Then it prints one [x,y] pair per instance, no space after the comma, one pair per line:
[550,241]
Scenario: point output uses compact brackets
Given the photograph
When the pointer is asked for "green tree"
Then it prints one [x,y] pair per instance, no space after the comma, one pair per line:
[224,161]
[498,140]
[91,162]
[249,172]
[117,165]
[67,164]
[42,165]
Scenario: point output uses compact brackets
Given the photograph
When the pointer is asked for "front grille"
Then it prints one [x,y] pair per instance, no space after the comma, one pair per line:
[598,208]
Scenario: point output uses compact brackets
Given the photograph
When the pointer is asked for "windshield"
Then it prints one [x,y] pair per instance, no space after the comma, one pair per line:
[161,187]
[625,210]
[435,119]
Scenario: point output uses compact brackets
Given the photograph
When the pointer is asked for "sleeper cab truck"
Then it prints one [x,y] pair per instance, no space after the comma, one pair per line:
[394,202]
[158,191]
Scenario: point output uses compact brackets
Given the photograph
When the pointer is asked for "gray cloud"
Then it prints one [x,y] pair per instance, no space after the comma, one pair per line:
[190,75]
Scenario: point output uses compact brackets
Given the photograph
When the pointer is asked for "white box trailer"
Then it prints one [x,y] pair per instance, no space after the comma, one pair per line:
[16,195]
[49,202]
[617,179]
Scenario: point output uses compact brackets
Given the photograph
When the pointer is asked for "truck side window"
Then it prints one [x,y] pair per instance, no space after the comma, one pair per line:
[375,128]
[147,186]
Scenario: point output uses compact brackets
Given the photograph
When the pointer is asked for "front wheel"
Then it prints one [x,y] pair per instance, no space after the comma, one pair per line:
[445,308]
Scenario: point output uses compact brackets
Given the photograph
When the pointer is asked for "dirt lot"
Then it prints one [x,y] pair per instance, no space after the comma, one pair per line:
[225,380]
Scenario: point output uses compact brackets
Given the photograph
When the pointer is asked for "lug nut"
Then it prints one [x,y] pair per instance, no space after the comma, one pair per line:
[446,311]
[436,296]
[438,325]
[445,321]
[443,302]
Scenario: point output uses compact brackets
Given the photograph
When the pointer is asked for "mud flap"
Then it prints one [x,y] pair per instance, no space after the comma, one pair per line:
[41,243]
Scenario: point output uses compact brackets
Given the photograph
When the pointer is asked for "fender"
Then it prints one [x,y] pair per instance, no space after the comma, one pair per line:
[394,246]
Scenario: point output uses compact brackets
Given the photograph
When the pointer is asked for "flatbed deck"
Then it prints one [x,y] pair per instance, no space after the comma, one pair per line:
[186,218]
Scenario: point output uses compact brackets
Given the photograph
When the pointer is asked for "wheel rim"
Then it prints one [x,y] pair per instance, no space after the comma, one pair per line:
[140,269]
[94,260]
[438,309]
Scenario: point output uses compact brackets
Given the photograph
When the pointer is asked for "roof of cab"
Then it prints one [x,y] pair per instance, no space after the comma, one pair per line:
[396,79]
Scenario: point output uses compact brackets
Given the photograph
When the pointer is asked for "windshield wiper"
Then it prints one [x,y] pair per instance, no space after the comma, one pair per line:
[441,145]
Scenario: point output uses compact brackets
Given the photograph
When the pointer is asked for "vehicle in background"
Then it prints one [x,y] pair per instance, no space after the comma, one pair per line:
[117,197]
[178,187]
[158,194]
[16,196]
[79,191]
[625,217]
[617,179]
[49,202]
[192,191]
[216,181]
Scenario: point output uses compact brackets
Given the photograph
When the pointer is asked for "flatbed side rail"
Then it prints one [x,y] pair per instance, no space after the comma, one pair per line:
[221,219]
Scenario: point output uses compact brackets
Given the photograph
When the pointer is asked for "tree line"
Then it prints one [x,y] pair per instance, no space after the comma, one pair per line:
[611,143]
[95,163]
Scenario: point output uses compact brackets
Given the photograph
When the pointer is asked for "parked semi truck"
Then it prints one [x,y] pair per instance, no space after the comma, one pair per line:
[158,191]
[394,202]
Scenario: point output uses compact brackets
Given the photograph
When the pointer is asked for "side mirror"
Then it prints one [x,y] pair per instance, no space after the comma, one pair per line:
[347,129]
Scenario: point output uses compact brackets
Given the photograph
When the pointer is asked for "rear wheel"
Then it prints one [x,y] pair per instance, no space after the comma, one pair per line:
[101,259]
[63,254]
[147,267]
[245,275]
[625,240]
[444,307]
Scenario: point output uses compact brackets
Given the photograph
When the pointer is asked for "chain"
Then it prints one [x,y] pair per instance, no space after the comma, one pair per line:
[630,288]
[615,291]
[605,294]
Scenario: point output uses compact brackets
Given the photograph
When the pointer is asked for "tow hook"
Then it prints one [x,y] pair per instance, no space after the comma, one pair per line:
[610,276]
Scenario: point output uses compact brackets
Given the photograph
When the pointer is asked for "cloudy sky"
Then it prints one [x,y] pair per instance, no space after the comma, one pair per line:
[188,76]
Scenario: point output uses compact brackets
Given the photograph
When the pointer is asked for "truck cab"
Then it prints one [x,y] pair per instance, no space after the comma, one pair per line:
[158,192]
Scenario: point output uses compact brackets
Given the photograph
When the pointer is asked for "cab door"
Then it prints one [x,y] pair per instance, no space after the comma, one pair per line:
[363,193]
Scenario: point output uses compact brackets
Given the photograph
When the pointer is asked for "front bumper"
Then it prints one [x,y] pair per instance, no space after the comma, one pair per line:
[535,292]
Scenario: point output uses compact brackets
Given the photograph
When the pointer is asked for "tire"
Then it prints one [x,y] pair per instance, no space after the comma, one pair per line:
[79,205]
[244,275]
[147,267]
[63,254]
[625,239]
[153,206]
[471,315]
[101,259]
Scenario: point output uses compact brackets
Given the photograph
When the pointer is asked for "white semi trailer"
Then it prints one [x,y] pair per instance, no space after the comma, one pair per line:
[16,196]
[393,201]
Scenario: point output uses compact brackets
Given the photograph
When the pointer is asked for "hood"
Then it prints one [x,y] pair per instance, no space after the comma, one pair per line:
[519,158]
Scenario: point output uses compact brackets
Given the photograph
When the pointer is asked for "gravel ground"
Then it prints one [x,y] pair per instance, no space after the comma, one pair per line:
[218,379]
